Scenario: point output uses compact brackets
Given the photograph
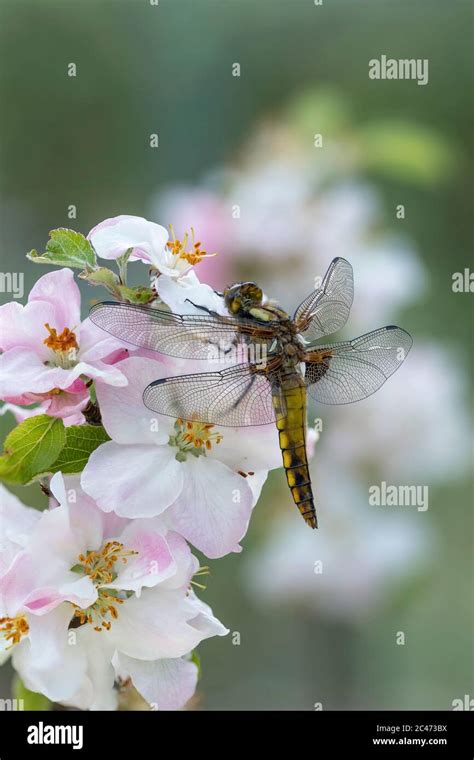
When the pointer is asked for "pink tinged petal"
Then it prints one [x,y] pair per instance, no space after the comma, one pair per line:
[36,586]
[22,413]
[113,237]
[48,661]
[17,583]
[41,575]
[60,290]
[124,415]
[119,355]
[74,419]
[98,344]
[158,624]
[186,564]
[213,508]
[152,564]
[24,372]
[110,222]
[165,684]
[133,481]
[106,373]
[43,600]
[69,403]
[25,326]
[79,591]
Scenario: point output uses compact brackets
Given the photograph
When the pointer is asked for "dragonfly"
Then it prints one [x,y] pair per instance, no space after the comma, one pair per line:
[287,362]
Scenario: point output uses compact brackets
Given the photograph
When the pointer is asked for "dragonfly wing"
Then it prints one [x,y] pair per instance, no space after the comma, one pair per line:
[325,311]
[184,336]
[234,397]
[341,373]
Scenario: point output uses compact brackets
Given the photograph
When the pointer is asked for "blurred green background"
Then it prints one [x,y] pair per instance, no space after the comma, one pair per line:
[166,69]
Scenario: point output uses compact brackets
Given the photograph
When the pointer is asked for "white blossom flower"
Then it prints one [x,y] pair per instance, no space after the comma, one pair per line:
[203,479]
[89,598]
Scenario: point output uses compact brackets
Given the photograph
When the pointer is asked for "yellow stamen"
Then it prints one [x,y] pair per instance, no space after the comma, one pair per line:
[62,343]
[193,256]
[14,629]
[203,570]
[99,566]
[196,435]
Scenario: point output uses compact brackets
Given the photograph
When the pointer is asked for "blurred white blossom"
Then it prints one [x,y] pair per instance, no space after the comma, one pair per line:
[359,555]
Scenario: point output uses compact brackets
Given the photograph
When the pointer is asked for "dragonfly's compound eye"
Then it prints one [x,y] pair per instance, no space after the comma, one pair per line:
[234,304]
[252,292]
[242,296]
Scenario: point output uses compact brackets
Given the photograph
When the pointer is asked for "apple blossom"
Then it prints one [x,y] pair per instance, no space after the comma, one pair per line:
[147,242]
[203,479]
[47,351]
[113,600]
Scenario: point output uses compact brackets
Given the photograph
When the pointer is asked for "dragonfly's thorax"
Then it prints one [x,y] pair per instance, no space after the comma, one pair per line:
[246,300]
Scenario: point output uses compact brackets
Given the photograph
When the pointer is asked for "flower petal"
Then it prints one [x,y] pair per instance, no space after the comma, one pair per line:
[152,564]
[25,326]
[161,624]
[115,236]
[180,294]
[142,481]
[165,684]
[96,690]
[22,371]
[16,524]
[46,661]
[213,508]
[97,344]
[248,449]
[124,415]
[59,289]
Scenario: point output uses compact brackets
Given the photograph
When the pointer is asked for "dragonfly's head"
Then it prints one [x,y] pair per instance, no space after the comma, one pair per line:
[243,296]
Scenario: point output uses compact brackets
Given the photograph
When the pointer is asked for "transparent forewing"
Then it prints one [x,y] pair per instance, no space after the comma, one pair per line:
[325,311]
[184,336]
[234,397]
[340,373]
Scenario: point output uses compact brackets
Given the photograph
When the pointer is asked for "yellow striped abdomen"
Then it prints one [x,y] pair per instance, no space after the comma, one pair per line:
[289,401]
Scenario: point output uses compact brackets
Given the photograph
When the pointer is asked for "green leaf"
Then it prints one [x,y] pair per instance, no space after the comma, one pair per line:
[102,276]
[81,441]
[140,294]
[31,699]
[66,248]
[31,448]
